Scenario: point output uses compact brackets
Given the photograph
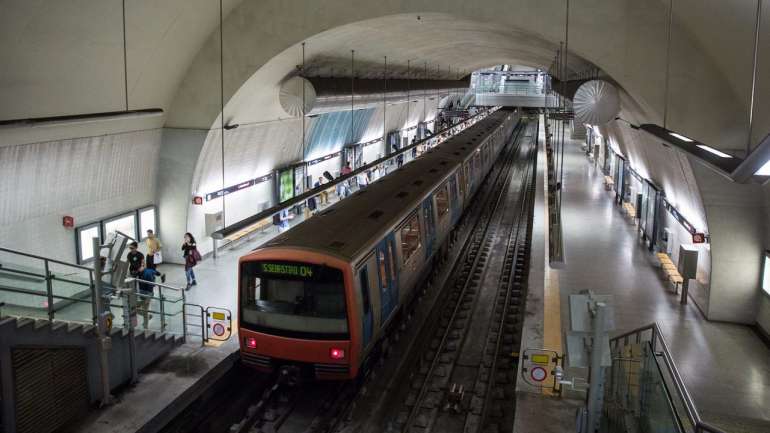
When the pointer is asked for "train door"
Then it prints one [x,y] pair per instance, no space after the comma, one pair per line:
[386,268]
[367,317]
[461,176]
[430,226]
[453,198]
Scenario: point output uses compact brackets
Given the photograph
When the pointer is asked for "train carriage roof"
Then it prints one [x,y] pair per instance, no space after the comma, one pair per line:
[349,226]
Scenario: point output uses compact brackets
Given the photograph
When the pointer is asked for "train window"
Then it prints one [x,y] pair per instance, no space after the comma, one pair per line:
[442,201]
[383,270]
[278,288]
[410,237]
[461,180]
[363,276]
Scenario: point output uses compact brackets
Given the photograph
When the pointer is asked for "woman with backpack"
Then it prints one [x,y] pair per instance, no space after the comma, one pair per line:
[191,258]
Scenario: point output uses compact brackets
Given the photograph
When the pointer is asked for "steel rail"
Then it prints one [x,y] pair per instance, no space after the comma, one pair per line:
[492,211]
[523,222]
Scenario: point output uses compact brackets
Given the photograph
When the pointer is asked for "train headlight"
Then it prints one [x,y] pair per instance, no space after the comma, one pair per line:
[337,354]
[251,342]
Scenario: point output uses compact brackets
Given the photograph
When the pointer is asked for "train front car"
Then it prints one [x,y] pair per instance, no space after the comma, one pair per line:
[294,313]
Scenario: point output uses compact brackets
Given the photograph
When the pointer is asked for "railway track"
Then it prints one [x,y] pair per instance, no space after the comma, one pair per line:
[466,372]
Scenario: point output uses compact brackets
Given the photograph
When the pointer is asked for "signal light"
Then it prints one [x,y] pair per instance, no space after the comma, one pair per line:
[335,353]
[251,342]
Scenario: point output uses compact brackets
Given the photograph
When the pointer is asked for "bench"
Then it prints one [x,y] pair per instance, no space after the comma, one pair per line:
[676,280]
[630,211]
[608,183]
[246,232]
[668,267]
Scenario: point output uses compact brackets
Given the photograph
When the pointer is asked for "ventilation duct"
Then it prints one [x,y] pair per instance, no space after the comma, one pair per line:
[333,94]
[596,102]
[293,92]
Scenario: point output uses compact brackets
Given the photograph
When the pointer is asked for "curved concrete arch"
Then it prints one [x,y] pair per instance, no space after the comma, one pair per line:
[703,100]
[67,60]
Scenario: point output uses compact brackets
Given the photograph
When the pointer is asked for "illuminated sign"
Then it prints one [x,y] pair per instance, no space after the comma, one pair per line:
[541,359]
[698,238]
[287,269]
[251,182]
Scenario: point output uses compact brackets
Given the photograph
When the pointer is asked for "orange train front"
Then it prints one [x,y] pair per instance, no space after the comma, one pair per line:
[295,311]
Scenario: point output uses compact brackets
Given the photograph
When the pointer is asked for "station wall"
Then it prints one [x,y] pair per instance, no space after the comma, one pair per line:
[255,150]
[89,178]
[763,314]
[729,268]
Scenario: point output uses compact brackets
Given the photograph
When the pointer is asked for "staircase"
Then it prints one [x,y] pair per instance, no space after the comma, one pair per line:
[49,339]
[644,392]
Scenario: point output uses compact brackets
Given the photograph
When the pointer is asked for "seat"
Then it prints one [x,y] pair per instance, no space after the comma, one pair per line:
[676,280]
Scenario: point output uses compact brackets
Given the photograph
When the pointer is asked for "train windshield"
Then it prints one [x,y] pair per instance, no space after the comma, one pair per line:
[293,299]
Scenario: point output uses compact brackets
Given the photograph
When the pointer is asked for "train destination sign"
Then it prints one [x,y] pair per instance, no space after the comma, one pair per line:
[303,271]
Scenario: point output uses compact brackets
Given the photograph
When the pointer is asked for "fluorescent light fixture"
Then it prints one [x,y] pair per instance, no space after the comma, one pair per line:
[681,137]
[764,171]
[714,151]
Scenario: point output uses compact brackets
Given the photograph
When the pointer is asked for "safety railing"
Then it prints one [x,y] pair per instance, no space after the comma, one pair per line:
[159,307]
[511,89]
[645,387]
[39,287]
[303,206]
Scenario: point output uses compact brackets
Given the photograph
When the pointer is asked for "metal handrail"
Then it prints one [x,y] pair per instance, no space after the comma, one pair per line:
[8,250]
[166,286]
[657,337]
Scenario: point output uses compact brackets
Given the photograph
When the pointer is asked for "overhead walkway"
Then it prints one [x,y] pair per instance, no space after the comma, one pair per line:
[515,95]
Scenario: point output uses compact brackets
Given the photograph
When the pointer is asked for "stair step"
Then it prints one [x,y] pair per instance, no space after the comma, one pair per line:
[24,321]
[74,327]
[88,329]
[7,320]
[57,325]
[41,323]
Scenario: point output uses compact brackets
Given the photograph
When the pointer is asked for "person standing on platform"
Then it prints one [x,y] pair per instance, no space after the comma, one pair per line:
[154,256]
[346,170]
[191,258]
[135,259]
[323,197]
[145,291]
[363,178]
[399,157]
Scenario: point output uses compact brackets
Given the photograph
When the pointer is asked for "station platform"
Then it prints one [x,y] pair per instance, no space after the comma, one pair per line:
[725,367]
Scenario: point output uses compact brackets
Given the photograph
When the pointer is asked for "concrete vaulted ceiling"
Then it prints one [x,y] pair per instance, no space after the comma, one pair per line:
[67,58]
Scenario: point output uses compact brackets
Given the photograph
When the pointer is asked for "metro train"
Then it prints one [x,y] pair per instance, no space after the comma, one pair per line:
[319,297]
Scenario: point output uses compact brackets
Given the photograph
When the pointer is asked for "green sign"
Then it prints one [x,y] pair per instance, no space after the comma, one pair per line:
[286,185]
[286,269]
